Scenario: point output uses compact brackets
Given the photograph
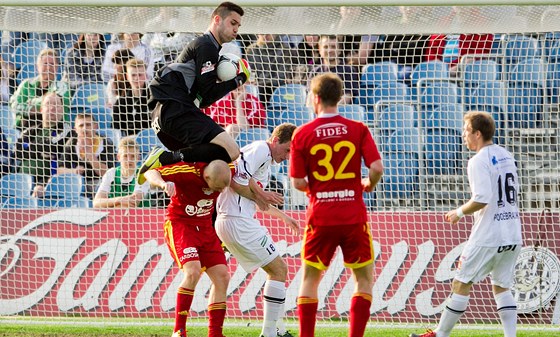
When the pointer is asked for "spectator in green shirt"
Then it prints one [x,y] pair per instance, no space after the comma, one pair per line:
[26,101]
[118,188]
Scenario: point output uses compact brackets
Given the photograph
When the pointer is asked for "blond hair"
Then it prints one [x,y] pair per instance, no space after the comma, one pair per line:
[129,143]
[47,52]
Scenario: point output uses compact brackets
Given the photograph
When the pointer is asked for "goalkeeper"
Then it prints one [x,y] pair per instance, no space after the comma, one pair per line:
[180,89]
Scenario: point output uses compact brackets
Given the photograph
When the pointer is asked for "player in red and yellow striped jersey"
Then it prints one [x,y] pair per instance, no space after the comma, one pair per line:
[192,241]
[326,161]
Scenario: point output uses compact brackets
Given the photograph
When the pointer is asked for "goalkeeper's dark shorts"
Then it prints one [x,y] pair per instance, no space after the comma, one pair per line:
[179,125]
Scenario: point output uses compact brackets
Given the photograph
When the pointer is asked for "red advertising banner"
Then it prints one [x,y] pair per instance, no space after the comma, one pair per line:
[103,263]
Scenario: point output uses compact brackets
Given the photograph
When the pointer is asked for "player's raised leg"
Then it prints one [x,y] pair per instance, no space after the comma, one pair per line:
[221,147]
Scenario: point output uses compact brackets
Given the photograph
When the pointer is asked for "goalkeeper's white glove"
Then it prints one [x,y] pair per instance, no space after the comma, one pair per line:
[243,72]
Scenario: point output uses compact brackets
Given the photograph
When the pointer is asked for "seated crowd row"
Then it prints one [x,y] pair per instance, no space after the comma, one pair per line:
[273,61]
[49,145]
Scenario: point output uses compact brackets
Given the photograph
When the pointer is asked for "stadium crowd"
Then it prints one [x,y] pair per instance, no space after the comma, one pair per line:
[48,85]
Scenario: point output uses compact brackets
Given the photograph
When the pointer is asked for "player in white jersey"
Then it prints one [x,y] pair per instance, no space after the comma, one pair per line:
[244,236]
[495,240]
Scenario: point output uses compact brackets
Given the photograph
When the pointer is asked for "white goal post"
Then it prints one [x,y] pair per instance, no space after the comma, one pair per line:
[67,259]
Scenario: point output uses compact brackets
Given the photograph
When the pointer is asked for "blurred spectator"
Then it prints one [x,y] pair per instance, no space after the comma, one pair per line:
[87,154]
[7,163]
[133,42]
[354,48]
[308,51]
[290,41]
[415,15]
[331,61]
[84,61]
[10,41]
[405,50]
[237,111]
[464,44]
[270,64]
[118,84]
[166,45]
[38,147]
[357,50]
[467,44]
[305,57]
[7,80]
[58,41]
[232,48]
[26,101]
[245,40]
[130,112]
[118,188]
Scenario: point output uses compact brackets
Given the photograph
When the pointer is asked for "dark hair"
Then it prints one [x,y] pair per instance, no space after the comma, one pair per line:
[120,83]
[328,87]
[225,8]
[81,44]
[481,121]
[122,56]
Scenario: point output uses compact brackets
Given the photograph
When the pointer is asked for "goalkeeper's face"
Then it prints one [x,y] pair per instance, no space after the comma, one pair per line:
[228,27]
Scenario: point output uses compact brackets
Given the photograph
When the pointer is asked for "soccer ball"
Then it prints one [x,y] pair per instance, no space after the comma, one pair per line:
[228,66]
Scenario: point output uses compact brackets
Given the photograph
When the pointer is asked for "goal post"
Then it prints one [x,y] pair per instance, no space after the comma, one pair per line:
[411,70]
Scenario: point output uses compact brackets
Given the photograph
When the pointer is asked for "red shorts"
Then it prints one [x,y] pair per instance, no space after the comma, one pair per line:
[193,243]
[320,243]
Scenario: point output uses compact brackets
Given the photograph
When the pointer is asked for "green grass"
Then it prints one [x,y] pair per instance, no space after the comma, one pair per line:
[159,328]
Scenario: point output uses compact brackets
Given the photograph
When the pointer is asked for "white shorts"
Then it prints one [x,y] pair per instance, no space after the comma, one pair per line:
[248,241]
[476,263]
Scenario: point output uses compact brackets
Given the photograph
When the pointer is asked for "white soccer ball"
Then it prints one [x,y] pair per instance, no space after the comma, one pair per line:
[228,66]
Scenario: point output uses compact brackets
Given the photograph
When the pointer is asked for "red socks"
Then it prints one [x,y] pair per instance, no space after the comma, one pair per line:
[217,313]
[307,314]
[184,301]
[359,314]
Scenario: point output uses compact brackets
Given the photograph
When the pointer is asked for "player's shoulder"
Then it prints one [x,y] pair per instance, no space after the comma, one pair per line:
[180,167]
[205,41]
[110,173]
[255,150]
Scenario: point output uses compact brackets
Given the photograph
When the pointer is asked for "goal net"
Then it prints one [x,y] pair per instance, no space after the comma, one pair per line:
[410,74]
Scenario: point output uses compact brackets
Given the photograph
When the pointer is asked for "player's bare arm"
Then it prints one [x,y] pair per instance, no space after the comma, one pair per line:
[291,222]
[155,179]
[102,200]
[268,197]
[245,191]
[374,176]
[469,208]
[250,192]
[300,184]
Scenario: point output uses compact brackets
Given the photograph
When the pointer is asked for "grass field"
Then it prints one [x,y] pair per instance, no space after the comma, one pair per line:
[19,329]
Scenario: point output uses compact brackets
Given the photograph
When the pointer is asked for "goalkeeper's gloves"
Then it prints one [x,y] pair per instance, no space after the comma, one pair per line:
[243,72]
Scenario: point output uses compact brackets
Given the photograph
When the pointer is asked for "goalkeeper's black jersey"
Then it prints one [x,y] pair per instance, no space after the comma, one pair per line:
[192,78]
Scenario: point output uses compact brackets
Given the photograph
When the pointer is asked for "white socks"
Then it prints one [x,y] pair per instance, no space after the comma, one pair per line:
[507,309]
[274,297]
[456,306]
